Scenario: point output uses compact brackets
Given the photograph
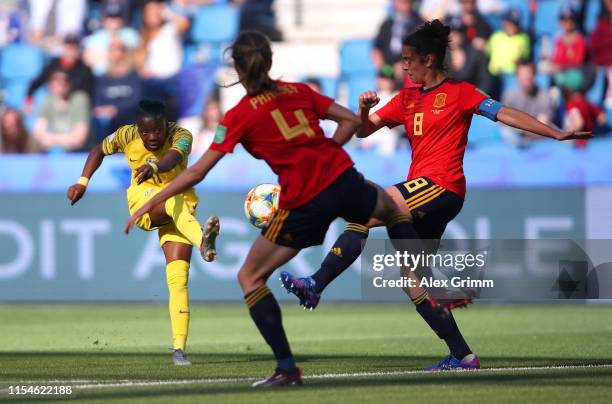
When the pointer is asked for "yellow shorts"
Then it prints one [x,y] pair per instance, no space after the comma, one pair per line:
[138,195]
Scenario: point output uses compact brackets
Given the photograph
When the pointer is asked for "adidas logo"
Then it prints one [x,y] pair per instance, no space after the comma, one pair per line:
[337,251]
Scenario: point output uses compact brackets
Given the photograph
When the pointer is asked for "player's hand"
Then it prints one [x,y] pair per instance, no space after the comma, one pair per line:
[573,134]
[75,193]
[146,208]
[143,173]
[368,100]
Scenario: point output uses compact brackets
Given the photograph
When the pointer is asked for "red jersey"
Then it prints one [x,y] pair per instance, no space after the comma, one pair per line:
[569,54]
[437,121]
[284,131]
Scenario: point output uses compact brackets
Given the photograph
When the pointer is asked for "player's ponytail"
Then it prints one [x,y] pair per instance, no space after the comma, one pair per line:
[432,38]
[252,58]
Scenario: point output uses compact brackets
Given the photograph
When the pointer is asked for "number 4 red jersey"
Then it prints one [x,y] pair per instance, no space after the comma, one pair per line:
[283,130]
[437,121]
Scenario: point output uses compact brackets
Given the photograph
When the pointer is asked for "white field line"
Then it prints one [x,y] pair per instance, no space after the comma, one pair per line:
[92,384]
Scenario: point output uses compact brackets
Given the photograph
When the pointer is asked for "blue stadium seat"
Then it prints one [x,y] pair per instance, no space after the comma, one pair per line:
[355,57]
[19,64]
[596,92]
[21,61]
[509,81]
[592,14]
[357,84]
[547,18]
[215,26]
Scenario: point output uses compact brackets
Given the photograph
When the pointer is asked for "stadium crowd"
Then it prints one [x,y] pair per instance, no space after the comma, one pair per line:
[101,57]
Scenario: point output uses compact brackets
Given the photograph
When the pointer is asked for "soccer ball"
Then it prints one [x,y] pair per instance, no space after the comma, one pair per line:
[261,204]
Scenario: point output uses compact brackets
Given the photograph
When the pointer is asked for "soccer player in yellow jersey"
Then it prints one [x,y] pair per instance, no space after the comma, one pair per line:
[157,152]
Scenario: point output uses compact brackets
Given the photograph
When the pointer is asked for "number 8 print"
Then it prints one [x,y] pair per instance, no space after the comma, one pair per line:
[418,124]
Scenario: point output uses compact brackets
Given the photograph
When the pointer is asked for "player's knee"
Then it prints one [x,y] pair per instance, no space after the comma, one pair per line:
[249,280]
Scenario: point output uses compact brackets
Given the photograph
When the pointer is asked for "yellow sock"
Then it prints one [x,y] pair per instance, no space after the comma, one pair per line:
[177,275]
[184,221]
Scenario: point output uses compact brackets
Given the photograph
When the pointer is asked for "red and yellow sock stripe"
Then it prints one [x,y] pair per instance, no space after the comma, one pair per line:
[254,297]
[358,228]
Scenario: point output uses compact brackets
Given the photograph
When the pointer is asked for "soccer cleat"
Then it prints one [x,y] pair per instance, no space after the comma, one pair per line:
[281,378]
[179,358]
[303,288]
[470,362]
[211,231]
[445,304]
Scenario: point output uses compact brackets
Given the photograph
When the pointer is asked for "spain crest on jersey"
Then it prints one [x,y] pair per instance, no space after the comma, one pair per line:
[440,100]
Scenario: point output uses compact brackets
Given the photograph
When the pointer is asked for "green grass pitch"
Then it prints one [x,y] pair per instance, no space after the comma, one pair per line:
[348,353]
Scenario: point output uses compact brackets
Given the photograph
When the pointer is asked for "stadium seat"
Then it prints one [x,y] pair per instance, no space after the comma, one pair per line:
[357,84]
[214,27]
[592,14]
[509,81]
[596,92]
[355,57]
[19,64]
[547,18]
[20,61]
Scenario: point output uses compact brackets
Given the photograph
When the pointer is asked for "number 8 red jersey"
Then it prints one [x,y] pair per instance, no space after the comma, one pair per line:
[437,121]
[284,131]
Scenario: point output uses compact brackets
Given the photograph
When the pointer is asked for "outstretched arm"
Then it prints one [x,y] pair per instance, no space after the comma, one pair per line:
[183,182]
[369,123]
[523,121]
[94,159]
[348,123]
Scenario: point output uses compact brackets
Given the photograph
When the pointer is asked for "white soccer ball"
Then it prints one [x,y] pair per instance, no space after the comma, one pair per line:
[261,204]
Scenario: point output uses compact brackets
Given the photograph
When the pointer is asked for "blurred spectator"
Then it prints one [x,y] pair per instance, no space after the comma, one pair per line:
[601,45]
[570,47]
[13,20]
[259,15]
[387,51]
[15,138]
[580,114]
[506,47]
[160,54]
[64,120]
[117,92]
[476,28]
[329,127]
[439,9]
[96,45]
[69,16]
[467,63]
[70,61]
[528,97]
[211,116]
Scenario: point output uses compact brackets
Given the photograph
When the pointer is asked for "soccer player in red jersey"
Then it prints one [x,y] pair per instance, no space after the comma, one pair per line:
[279,123]
[436,113]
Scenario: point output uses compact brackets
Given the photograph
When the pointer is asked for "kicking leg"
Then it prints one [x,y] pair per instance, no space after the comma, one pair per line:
[178,256]
[176,209]
[399,227]
[263,259]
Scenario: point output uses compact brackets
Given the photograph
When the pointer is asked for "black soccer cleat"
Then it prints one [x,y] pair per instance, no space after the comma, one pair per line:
[281,378]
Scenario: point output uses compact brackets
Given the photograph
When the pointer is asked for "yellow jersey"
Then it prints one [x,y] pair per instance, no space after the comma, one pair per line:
[127,140]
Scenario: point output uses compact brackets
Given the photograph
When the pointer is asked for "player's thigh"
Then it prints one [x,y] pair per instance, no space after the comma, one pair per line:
[398,198]
[263,259]
[174,251]
[386,205]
